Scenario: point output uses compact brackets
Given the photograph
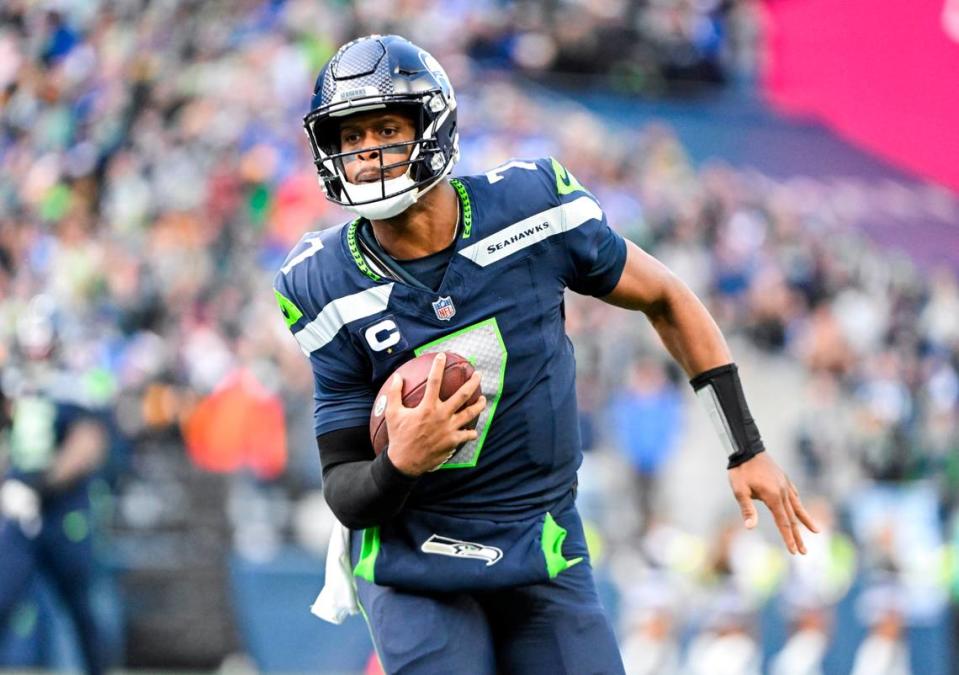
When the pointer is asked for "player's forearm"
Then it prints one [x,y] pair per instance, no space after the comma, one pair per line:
[367,493]
[83,452]
[688,331]
[360,490]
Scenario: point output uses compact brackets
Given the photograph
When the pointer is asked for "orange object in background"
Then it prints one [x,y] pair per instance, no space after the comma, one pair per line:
[239,426]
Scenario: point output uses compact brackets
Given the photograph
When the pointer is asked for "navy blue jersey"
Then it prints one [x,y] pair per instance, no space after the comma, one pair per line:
[529,231]
[40,423]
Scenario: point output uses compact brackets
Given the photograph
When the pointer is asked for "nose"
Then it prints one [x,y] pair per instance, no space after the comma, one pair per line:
[368,148]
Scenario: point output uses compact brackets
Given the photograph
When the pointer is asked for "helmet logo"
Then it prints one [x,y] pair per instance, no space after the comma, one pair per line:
[436,70]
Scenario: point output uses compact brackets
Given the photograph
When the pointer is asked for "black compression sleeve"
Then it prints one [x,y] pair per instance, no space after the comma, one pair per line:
[362,491]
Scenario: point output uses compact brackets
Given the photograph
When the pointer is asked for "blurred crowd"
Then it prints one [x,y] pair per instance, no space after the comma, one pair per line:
[153,175]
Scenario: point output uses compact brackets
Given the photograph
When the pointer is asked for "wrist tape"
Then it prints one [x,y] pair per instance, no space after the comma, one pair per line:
[721,393]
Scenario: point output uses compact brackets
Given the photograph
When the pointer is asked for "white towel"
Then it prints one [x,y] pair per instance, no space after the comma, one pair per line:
[337,600]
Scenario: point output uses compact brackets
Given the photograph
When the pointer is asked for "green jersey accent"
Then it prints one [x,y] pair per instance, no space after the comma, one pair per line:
[554,535]
[482,345]
[291,313]
[33,436]
[566,182]
[76,526]
[23,620]
[368,552]
[355,252]
[467,207]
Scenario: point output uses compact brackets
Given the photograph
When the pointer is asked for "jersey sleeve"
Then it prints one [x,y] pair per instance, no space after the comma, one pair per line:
[342,396]
[597,253]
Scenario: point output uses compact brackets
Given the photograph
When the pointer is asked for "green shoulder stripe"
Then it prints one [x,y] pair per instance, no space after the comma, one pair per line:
[291,313]
[566,182]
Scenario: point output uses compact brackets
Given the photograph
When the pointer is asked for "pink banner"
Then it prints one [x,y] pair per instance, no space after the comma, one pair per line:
[882,73]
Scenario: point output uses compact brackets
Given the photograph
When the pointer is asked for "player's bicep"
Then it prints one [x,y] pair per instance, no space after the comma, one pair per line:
[644,283]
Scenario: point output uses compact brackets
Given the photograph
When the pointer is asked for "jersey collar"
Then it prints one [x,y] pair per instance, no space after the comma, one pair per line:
[370,258]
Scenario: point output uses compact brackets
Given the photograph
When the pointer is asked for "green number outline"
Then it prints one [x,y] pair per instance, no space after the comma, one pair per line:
[495,398]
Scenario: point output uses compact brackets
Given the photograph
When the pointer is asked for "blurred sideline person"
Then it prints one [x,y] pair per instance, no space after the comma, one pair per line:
[884,651]
[815,585]
[56,443]
[647,416]
[466,548]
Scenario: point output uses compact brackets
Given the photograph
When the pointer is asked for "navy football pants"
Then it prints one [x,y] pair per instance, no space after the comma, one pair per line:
[552,628]
[67,562]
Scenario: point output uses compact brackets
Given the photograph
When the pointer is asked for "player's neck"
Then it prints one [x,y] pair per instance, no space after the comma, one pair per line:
[426,227]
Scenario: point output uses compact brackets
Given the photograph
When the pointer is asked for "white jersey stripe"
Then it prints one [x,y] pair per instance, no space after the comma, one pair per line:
[321,330]
[532,230]
[315,245]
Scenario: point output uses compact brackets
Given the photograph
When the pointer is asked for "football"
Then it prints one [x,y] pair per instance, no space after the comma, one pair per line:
[414,372]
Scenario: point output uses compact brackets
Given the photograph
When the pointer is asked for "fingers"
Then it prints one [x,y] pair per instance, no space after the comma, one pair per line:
[747,508]
[394,394]
[794,523]
[777,505]
[800,510]
[465,436]
[462,395]
[467,415]
[435,379]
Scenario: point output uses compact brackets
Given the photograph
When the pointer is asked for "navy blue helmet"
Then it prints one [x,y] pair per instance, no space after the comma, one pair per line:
[379,72]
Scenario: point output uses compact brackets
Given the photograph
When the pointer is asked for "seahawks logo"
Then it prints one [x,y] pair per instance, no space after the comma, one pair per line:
[437,71]
[456,548]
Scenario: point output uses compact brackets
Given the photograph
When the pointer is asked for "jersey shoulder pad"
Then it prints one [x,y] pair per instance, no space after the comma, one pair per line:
[517,181]
[300,284]
[319,289]
[565,183]
[526,186]
[511,192]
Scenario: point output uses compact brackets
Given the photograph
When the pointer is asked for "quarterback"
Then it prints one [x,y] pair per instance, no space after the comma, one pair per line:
[466,551]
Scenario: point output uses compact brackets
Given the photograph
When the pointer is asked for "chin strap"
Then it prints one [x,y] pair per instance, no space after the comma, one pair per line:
[401,193]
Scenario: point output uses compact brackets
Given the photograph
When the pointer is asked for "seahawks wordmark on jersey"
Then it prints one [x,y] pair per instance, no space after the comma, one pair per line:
[529,231]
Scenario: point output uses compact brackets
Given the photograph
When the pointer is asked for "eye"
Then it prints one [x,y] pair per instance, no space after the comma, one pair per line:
[389,131]
[350,138]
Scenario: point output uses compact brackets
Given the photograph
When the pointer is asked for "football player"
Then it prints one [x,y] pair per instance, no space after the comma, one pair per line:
[57,442]
[467,552]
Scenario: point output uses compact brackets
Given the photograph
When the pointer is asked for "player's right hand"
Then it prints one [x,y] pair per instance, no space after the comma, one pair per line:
[424,437]
[21,503]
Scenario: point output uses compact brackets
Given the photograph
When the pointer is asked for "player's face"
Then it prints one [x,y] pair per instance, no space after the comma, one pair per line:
[364,133]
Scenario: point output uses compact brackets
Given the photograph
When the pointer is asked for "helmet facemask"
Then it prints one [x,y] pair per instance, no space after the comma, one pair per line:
[424,159]
[384,73]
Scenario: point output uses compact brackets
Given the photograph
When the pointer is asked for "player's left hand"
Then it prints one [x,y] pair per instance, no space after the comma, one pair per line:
[761,478]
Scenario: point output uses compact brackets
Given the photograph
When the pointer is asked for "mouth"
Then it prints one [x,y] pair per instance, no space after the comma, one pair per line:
[367,176]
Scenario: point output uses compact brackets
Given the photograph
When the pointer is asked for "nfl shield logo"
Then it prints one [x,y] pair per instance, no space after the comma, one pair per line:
[444,308]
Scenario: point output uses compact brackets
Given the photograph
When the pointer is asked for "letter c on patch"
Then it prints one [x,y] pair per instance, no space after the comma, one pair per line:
[382,335]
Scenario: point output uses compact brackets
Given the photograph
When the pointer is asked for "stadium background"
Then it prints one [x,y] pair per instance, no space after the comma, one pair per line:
[793,162]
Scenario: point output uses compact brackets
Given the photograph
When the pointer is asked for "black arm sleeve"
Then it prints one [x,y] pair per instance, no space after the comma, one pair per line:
[727,404]
[362,490]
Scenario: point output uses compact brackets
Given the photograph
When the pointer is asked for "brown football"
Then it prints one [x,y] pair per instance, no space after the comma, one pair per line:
[415,371]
